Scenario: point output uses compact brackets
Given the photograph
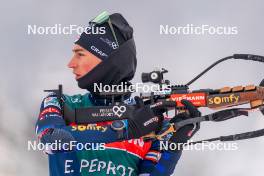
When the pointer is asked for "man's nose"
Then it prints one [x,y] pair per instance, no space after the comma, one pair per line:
[72,63]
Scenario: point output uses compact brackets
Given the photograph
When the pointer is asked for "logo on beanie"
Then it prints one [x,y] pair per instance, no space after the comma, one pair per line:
[101,53]
[109,43]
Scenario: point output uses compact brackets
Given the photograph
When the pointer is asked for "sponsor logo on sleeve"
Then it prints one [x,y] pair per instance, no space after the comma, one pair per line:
[51,101]
[48,110]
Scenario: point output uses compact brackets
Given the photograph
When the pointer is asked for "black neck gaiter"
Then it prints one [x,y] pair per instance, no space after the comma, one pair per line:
[119,67]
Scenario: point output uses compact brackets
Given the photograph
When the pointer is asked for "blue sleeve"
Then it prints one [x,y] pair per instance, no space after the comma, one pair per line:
[164,167]
[51,127]
[158,162]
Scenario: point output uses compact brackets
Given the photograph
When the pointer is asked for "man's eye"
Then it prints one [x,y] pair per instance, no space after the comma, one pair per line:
[80,54]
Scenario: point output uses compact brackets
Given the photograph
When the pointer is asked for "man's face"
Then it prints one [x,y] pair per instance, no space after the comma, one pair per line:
[82,61]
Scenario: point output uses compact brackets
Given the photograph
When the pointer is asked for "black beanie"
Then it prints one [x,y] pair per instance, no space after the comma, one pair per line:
[102,42]
[119,64]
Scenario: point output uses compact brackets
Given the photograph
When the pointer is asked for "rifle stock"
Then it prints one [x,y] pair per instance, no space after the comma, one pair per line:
[224,97]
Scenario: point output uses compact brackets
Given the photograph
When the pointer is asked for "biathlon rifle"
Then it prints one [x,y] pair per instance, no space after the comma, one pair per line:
[216,99]
[169,98]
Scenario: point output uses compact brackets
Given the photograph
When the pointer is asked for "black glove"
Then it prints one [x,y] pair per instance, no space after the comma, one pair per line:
[143,120]
[186,132]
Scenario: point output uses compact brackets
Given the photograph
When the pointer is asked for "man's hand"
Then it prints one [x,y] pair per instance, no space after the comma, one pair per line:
[186,132]
[142,120]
